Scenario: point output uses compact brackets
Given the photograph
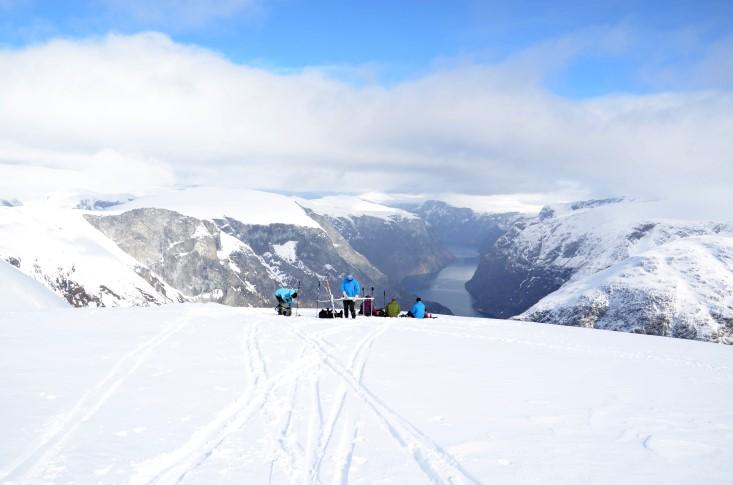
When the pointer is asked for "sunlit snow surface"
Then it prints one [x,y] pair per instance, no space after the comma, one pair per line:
[209,394]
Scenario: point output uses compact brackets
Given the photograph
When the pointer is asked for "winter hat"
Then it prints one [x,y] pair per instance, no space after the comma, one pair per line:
[349,277]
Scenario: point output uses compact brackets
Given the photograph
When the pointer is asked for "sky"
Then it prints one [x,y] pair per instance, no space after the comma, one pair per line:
[532,102]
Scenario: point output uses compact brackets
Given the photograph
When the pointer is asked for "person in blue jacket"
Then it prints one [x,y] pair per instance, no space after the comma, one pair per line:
[350,289]
[418,309]
[284,298]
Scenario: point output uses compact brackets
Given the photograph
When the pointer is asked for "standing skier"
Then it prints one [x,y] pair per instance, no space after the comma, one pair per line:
[350,289]
[284,298]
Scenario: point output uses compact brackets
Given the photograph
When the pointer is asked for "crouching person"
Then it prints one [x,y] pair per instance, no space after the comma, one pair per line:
[285,298]
[417,310]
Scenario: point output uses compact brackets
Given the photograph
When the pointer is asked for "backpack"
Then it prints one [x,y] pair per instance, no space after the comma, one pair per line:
[325,313]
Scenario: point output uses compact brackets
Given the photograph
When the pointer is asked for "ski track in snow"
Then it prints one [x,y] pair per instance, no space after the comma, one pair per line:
[438,466]
[295,461]
[33,465]
[357,363]
[173,467]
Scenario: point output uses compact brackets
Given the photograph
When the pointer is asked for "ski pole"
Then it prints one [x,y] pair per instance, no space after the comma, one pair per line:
[297,301]
[371,304]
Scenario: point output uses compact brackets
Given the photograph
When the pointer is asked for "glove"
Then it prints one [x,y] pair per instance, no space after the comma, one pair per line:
[344,294]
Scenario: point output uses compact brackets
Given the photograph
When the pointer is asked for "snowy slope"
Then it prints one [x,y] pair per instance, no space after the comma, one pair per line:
[246,206]
[20,292]
[572,242]
[681,288]
[59,248]
[211,394]
[588,238]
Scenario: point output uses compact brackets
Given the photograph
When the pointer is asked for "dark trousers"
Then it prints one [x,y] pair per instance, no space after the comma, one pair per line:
[283,307]
[349,305]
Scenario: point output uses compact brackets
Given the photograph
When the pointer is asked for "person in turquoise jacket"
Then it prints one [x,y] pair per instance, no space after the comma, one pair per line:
[418,309]
[284,298]
[350,289]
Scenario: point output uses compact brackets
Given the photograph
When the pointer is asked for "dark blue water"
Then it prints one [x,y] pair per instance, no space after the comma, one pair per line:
[448,286]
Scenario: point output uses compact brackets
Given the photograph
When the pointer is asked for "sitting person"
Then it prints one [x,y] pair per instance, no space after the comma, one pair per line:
[393,308]
[417,310]
[285,298]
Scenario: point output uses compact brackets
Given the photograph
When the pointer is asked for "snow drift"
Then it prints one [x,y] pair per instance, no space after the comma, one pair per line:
[22,293]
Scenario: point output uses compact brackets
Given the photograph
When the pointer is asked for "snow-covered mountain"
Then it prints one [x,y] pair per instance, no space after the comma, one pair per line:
[199,244]
[629,251]
[682,288]
[208,394]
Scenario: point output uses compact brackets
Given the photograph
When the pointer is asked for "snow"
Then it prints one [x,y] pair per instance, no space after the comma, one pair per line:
[696,273]
[602,234]
[246,206]
[20,292]
[212,394]
[51,243]
[287,251]
[83,200]
[350,206]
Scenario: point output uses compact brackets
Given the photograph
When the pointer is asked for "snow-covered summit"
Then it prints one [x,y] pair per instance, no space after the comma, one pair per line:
[557,210]
[591,238]
[352,206]
[246,206]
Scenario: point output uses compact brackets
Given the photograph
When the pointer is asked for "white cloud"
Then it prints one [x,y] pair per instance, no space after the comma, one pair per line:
[187,115]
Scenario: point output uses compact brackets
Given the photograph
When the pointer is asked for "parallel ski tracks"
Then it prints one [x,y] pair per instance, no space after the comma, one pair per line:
[437,465]
[31,467]
[299,462]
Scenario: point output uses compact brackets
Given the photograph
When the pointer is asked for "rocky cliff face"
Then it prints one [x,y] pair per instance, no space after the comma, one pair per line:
[398,246]
[229,262]
[188,254]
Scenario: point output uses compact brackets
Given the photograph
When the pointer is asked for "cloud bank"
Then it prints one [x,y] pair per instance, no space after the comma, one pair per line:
[132,113]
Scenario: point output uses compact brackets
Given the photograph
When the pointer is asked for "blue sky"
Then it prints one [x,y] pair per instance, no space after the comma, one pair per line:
[620,45]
